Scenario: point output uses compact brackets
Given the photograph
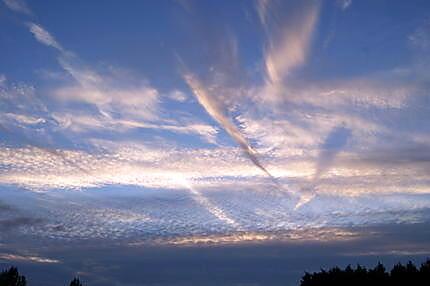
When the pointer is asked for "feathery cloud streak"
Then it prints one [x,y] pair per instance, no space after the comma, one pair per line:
[18,6]
[288,41]
[212,107]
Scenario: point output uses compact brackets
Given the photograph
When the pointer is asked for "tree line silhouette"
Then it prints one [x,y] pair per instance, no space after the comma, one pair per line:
[400,275]
[11,277]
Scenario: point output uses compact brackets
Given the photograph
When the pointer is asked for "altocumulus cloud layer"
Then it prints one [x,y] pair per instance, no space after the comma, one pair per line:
[248,139]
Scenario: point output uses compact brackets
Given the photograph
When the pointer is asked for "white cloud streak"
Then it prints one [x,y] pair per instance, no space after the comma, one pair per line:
[103,92]
[44,36]
[288,45]
[213,209]
[26,258]
[215,111]
[82,123]
[18,6]
[137,103]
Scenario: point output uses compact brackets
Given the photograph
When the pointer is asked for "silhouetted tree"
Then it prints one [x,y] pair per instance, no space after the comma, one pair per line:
[378,276]
[11,277]
[424,271]
[400,275]
[75,282]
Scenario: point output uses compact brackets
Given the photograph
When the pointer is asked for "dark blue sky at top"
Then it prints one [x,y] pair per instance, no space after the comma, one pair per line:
[145,36]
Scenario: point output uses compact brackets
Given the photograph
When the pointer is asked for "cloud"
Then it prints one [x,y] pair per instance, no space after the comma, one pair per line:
[136,164]
[420,37]
[165,215]
[178,96]
[262,10]
[44,36]
[344,4]
[362,139]
[213,209]
[404,156]
[333,144]
[214,109]
[12,219]
[161,167]
[228,195]
[288,41]
[109,93]
[85,123]
[23,115]
[13,95]
[388,89]
[27,258]
[11,123]
[18,6]
[16,222]
[24,119]
[134,102]
[302,235]
[113,94]
[122,103]
[2,80]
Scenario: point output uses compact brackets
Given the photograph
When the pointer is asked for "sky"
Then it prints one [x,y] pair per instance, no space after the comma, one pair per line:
[147,129]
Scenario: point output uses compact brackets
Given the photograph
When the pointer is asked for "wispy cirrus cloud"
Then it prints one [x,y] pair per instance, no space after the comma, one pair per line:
[26,258]
[101,91]
[420,37]
[136,103]
[84,123]
[18,6]
[220,87]
[288,38]
[213,108]
[122,103]
[44,36]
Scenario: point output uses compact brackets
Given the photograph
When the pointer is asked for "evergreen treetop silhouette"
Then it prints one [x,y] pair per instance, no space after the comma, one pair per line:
[75,282]
[400,275]
[11,277]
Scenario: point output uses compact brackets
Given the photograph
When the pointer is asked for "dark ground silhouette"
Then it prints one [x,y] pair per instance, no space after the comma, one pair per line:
[400,275]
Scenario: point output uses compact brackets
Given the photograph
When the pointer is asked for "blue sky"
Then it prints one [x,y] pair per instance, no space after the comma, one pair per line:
[181,122]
